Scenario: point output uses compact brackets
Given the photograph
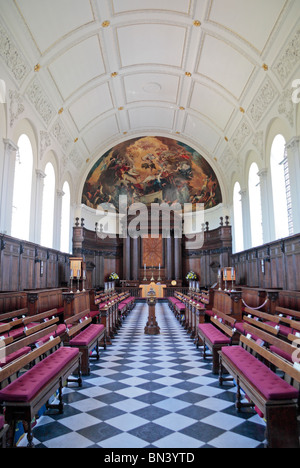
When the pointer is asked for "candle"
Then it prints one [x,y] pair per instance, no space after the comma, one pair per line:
[71,275]
[78,273]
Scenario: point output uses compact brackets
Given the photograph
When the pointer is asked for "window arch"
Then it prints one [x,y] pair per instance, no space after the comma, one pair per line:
[238,218]
[65,219]
[281,188]
[20,224]
[48,207]
[255,206]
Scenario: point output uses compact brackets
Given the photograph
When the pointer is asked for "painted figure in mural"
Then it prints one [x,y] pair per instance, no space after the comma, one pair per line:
[152,169]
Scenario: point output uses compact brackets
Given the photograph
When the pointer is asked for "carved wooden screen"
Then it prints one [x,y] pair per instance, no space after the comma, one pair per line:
[152,252]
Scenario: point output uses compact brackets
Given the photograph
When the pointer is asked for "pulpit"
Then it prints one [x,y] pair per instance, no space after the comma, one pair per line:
[152,327]
[158,289]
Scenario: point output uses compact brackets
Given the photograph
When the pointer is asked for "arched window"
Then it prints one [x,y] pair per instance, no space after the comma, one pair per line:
[255,206]
[20,224]
[48,207]
[2,92]
[281,189]
[65,219]
[238,218]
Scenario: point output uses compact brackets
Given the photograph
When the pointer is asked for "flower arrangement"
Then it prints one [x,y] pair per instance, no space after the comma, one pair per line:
[191,276]
[113,277]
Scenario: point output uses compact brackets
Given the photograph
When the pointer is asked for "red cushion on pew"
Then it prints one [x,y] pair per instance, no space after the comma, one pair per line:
[1,422]
[240,328]
[93,313]
[29,384]
[11,357]
[180,306]
[210,312]
[281,353]
[270,385]
[87,335]
[60,310]
[213,334]
[284,330]
[173,299]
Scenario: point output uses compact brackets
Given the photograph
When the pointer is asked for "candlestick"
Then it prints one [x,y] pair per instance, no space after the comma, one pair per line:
[159,278]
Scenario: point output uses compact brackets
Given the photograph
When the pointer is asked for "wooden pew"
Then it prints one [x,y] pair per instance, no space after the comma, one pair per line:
[9,316]
[20,348]
[23,398]
[274,344]
[268,392]
[20,327]
[284,325]
[216,334]
[85,336]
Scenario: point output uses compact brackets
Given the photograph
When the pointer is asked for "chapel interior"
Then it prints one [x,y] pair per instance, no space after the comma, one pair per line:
[150,224]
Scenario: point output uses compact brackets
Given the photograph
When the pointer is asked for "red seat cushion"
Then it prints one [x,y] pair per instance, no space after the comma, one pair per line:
[11,357]
[209,312]
[93,313]
[1,422]
[29,384]
[213,334]
[284,330]
[87,335]
[180,306]
[281,353]
[270,385]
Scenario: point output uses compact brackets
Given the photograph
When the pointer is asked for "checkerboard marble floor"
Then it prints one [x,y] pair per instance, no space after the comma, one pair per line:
[150,392]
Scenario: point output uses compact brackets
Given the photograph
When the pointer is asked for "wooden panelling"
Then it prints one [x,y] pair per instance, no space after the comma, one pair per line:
[12,301]
[272,266]
[24,265]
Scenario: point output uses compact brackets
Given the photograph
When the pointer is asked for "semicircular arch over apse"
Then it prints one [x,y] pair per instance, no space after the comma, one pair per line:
[152,170]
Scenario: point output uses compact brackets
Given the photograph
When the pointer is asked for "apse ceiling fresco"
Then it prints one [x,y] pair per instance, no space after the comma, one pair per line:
[152,170]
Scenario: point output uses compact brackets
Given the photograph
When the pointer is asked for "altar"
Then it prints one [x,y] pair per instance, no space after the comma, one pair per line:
[158,288]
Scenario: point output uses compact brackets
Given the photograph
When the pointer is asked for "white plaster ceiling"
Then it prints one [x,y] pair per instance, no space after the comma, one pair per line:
[109,70]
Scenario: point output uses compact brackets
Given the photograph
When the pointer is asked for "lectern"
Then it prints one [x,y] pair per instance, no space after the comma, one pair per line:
[152,327]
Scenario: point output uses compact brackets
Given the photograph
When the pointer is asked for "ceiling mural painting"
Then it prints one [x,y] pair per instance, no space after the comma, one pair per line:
[152,170]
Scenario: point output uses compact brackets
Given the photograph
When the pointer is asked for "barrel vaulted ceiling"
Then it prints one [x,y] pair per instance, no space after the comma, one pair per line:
[98,72]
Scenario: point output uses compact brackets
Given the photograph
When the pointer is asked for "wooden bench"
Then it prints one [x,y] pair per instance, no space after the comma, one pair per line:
[23,398]
[86,336]
[284,325]
[17,328]
[271,395]
[216,334]
[24,346]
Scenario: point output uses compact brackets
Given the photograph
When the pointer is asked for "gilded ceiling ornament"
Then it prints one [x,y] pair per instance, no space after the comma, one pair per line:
[105,24]
[197,23]
[37,67]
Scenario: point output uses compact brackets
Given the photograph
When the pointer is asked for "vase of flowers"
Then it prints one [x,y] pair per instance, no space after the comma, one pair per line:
[113,278]
[192,277]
